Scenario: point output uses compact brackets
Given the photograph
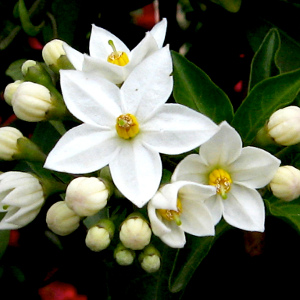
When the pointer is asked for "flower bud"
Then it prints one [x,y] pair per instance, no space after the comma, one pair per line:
[285,184]
[123,255]
[99,236]
[284,126]
[21,197]
[61,219]
[33,102]
[10,90]
[8,142]
[135,232]
[26,65]
[150,259]
[86,195]
[55,56]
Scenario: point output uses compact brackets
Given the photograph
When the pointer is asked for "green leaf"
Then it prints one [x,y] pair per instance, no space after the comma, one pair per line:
[193,88]
[287,211]
[14,70]
[263,63]
[265,98]
[189,258]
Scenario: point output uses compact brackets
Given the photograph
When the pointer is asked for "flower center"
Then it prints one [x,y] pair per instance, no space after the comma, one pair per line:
[221,180]
[127,126]
[172,215]
[117,57]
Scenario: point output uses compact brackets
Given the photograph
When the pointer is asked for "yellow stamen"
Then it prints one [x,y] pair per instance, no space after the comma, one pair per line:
[221,180]
[172,215]
[119,58]
[127,126]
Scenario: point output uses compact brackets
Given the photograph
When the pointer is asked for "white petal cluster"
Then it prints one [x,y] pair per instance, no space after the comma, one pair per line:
[21,198]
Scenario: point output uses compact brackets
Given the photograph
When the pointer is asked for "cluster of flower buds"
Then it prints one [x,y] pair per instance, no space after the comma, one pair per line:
[283,130]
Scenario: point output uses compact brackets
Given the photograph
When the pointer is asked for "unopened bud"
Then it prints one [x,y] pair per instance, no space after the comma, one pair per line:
[10,90]
[61,219]
[86,195]
[284,126]
[135,232]
[123,255]
[33,102]
[99,236]
[285,184]
[150,259]
[8,142]
[55,56]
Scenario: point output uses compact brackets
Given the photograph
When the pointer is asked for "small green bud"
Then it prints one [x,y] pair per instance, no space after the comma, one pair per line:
[149,259]
[123,255]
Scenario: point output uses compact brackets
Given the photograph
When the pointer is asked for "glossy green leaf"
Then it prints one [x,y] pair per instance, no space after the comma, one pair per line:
[193,88]
[264,63]
[287,211]
[265,98]
[190,257]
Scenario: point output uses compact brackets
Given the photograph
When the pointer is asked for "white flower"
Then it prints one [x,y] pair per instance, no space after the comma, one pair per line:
[127,127]
[285,184]
[179,207]
[21,197]
[236,172]
[124,61]
[86,195]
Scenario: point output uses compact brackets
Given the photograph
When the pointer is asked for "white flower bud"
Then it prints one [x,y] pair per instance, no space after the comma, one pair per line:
[27,64]
[97,238]
[86,195]
[21,197]
[284,126]
[135,233]
[285,184]
[150,259]
[61,219]
[8,142]
[52,51]
[31,102]
[10,90]
[123,255]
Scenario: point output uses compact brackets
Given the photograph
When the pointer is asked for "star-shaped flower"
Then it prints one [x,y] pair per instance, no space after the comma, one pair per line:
[110,57]
[236,172]
[127,127]
[179,207]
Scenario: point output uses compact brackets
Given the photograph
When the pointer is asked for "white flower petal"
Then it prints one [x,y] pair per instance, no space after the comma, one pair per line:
[223,148]
[99,68]
[83,149]
[255,167]
[92,100]
[215,207]
[191,168]
[244,209]
[175,129]
[99,46]
[74,56]
[159,32]
[175,238]
[196,218]
[136,171]
[147,46]
[149,85]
